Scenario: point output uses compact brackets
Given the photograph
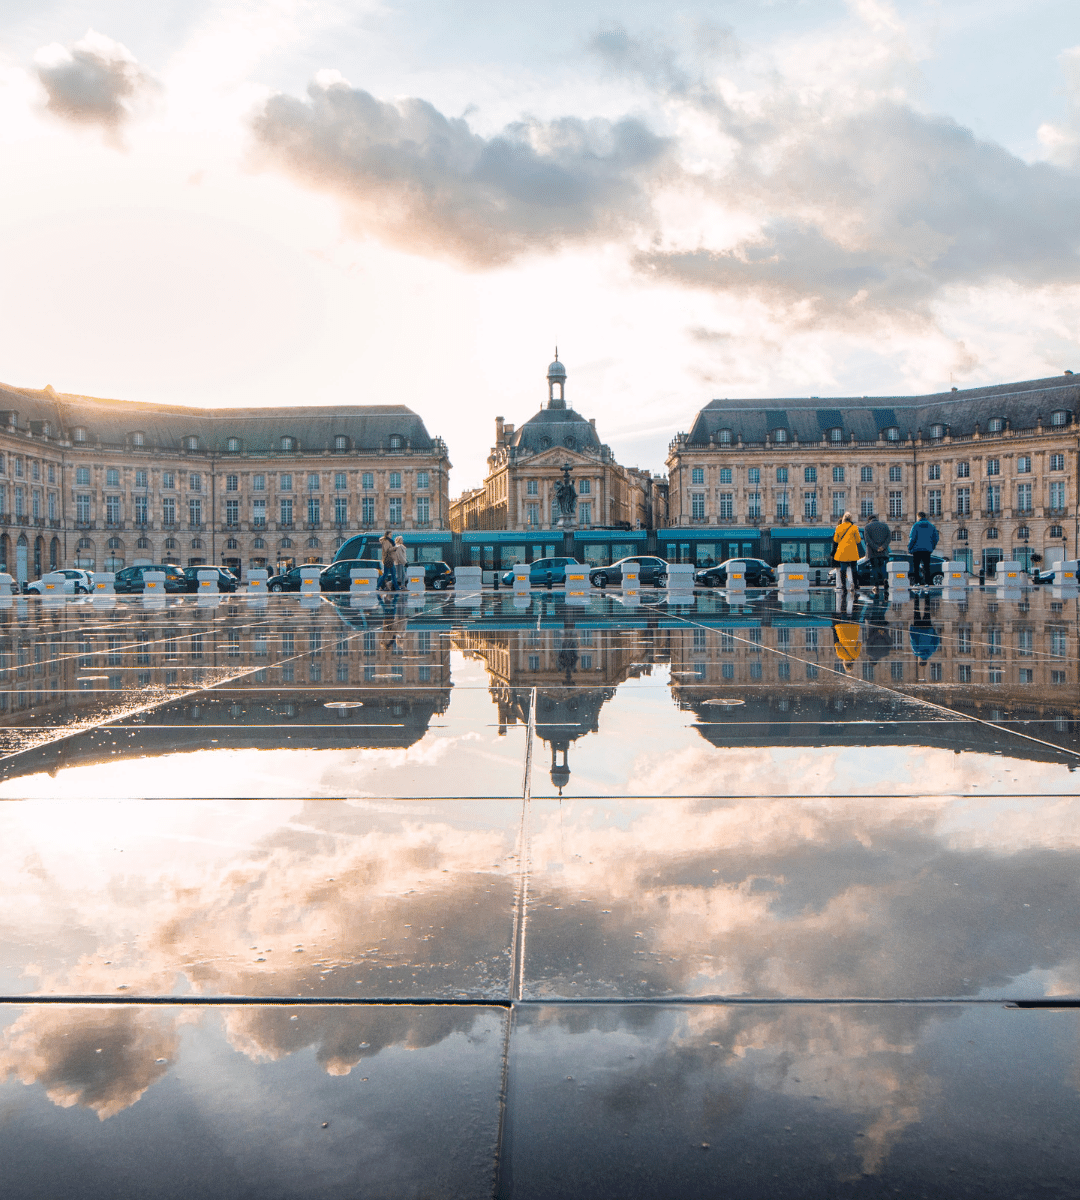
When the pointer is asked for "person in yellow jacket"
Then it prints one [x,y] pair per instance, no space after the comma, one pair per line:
[847,550]
[847,642]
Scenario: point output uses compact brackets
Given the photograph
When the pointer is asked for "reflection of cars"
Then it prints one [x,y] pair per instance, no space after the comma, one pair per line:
[864,575]
[758,573]
[336,577]
[130,579]
[226,579]
[652,572]
[545,571]
[83,581]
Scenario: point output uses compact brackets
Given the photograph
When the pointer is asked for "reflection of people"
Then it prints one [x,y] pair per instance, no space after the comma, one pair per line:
[846,550]
[386,548]
[925,639]
[923,539]
[878,536]
[401,557]
[847,642]
[878,634]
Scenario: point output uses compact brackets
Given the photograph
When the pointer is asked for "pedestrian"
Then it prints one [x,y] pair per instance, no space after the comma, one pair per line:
[401,558]
[847,642]
[847,549]
[923,539]
[388,578]
[878,536]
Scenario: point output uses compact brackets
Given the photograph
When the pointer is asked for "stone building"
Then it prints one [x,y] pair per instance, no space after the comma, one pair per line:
[526,463]
[107,483]
[996,468]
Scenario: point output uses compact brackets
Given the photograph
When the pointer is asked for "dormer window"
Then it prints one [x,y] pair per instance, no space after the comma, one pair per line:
[779,435]
[138,439]
[892,434]
[46,429]
[937,431]
[232,445]
[1061,417]
[78,434]
[724,437]
[191,442]
[569,443]
[341,442]
[397,442]
[997,424]
[836,435]
[288,443]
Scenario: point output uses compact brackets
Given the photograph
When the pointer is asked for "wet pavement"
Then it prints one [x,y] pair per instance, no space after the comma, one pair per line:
[529,897]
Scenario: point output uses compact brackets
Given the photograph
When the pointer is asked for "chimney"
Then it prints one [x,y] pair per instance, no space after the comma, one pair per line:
[592,422]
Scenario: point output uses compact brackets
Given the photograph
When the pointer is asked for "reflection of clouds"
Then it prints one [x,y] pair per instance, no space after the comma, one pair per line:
[827,896]
[99,1058]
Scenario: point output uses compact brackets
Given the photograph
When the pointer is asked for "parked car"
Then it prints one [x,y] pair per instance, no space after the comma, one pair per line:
[864,576]
[336,577]
[652,572]
[545,571]
[287,581]
[758,573]
[130,579]
[438,575]
[1046,574]
[226,579]
[83,580]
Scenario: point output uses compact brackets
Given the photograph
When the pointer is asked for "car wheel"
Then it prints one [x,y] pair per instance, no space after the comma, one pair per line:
[275,587]
[439,584]
[938,580]
[661,581]
[600,580]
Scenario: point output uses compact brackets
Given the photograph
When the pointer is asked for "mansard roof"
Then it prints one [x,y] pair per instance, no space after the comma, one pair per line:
[164,426]
[553,426]
[809,418]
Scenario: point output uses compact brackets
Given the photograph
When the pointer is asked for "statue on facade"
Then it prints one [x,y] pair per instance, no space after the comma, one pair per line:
[566,494]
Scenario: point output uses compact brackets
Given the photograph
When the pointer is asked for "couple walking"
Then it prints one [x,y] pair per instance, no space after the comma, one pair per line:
[394,558]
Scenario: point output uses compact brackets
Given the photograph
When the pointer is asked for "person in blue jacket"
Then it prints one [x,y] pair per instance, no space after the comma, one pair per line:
[923,539]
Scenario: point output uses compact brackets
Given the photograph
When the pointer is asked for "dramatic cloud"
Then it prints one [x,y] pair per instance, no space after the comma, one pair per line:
[94,82]
[429,184]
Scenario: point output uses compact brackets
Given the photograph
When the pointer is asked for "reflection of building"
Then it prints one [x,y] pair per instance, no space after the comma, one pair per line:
[994,467]
[108,483]
[526,463]
[574,669]
[70,666]
[791,686]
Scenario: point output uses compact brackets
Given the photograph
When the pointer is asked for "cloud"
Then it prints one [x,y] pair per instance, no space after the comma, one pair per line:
[96,81]
[427,183]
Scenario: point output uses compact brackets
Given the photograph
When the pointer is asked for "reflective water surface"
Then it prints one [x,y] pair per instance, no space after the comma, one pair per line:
[265,820]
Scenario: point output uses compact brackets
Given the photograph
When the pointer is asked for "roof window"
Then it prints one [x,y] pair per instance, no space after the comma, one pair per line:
[341,442]
[780,435]
[836,435]
[997,424]
[892,434]
[1060,417]
[232,445]
[397,442]
[78,434]
[191,442]
[138,439]
[937,431]
[724,437]
[288,443]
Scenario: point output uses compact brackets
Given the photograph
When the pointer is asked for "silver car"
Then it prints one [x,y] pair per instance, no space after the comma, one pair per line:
[83,581]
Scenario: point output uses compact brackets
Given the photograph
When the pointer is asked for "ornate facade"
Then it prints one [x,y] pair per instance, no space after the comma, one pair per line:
[107,483]
[526,464]
[995,468]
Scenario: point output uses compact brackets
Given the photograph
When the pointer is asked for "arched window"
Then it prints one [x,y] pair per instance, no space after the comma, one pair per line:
[779,435]
[996,424]
[937,431]
[961,535]
[171,543]
[191,442]
[724,437]
[1060,417]
[892,434]
[258,544]
[397,442]
[143,544]
[78,434]
[836,435]
[232,445]
[313,543]
[1056,531]
[196,543]
[115,543]
[341,442]
[992,533]
[138,439]
[286,543]
[545,442]
[288,443]
[1023,532]
[85,543]
[569,443]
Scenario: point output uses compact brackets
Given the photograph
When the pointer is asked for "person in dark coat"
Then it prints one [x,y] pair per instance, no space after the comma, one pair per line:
[923,539]
[877,536]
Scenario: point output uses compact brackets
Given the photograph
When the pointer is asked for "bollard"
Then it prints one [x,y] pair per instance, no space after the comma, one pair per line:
[309,581]
[736,576]
[415,577]
[630,576]
[52,584]
[521,579]
[899,577]
[680,577]
[208,581]
[104,583]
[577,584]
[256,581]
[153,583]
[792,577]
[5,583]
[468,585]
[363,582]
[1007,573]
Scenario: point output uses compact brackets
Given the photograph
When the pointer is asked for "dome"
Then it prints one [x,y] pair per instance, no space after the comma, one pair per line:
[556,370]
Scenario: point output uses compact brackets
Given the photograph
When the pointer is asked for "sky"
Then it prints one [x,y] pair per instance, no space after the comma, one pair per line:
[236,202]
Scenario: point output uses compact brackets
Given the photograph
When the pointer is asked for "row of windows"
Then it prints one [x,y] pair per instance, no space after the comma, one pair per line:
[810,474]
[993,466]
[234,445]
[258,482]
[783,505]
[1024,499]
[532,487]
[584,511]
[19,469]
[286,509]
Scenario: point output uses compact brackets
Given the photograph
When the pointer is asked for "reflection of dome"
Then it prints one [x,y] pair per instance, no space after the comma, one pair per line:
[560,771]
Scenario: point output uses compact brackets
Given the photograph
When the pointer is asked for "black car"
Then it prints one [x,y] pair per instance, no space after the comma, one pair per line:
[864,574]
[336,577]
[130,579]
[437,575]
[226,580]
[288,581]
[652,572]
[758,573]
